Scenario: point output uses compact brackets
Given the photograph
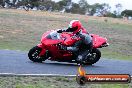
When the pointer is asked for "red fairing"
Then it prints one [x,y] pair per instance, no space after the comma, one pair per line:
[43,38]
[98,41]
[51,45]
[40,45]
[43,51]
[69,39]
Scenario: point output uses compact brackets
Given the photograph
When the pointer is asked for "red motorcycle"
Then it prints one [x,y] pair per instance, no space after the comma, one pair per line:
[49,48]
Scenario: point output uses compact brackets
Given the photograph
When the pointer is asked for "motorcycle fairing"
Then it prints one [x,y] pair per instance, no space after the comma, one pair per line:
[98,41]
[67,39]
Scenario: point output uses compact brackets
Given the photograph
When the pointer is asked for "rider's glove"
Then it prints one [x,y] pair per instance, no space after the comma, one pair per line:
[59,31]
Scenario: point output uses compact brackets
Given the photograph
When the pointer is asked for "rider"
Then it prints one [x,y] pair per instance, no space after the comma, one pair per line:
[85,43]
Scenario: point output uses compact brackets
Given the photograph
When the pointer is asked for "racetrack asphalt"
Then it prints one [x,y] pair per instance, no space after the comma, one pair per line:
[17,62]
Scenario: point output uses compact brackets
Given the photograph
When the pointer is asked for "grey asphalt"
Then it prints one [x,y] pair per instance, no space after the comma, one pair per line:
[17,62]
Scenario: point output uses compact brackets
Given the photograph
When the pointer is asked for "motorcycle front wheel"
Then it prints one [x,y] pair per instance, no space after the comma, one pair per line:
[34,54]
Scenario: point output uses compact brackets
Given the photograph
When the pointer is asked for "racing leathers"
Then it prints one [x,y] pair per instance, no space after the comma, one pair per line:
[81,48]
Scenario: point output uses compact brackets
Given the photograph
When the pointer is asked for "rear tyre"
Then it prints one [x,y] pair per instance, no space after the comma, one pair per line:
[34,54]
[94,57]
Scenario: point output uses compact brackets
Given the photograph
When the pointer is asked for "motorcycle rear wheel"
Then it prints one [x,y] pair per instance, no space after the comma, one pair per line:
[34,54]
[95,56]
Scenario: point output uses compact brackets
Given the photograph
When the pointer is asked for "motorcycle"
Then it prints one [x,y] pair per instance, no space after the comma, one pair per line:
[49,48]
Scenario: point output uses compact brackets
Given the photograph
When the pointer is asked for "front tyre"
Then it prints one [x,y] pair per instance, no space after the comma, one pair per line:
[94,57]
[34,54]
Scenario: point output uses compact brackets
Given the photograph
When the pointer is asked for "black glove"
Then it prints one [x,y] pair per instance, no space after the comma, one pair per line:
[59,31]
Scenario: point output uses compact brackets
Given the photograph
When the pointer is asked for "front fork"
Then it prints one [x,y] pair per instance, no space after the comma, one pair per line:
[43,51]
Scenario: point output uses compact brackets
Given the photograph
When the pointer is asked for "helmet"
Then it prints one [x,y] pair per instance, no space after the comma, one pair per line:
[75,26]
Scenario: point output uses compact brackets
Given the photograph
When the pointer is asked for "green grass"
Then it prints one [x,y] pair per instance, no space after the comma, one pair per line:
[51,82]
[21,30]
[115,55]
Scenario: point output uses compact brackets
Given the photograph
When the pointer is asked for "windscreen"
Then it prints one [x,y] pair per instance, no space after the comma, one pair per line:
[54,35]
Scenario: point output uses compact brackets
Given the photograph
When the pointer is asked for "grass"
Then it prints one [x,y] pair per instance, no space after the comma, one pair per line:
[21,30]
[115,55]
[51,82]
